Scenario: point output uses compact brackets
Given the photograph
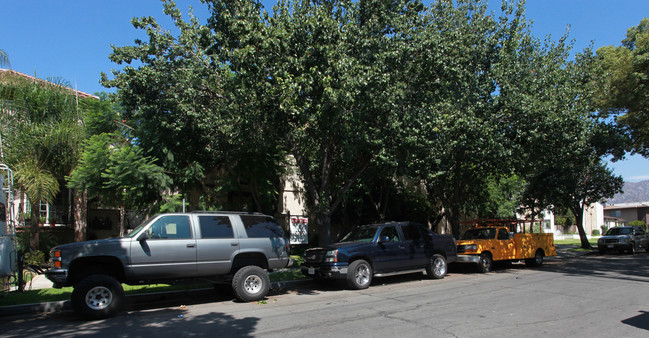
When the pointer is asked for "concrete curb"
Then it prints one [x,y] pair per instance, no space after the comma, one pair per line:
[144,298]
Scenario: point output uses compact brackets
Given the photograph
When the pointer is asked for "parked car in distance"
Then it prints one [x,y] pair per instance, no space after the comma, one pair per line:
[380,250]
[625,238]
[237,248]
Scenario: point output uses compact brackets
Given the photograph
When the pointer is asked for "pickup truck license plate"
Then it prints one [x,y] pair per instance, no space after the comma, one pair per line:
[610,245]
[311,271]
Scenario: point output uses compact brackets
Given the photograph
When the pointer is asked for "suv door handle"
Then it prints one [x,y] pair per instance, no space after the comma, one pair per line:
[191,245]
[234,243]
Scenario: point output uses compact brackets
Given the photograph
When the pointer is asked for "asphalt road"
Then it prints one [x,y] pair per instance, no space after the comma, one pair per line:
[589,296]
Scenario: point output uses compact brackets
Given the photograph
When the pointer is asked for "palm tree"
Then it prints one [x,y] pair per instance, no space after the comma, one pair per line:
[41,136]
[4,59]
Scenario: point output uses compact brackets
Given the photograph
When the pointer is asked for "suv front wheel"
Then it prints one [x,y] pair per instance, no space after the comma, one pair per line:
[359,275]
[97,296]
[250,283]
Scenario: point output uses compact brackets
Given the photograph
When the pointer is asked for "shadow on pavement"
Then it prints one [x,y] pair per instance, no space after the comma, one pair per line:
[640,321]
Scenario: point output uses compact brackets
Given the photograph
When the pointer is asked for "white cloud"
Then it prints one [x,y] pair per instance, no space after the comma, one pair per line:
[637,178]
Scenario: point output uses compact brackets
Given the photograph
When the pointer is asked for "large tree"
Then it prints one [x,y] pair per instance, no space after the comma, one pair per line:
[352,90]
[627,84]
[112,169]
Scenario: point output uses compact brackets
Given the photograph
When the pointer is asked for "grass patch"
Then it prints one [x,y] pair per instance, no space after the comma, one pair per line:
[53,295]
[575,241]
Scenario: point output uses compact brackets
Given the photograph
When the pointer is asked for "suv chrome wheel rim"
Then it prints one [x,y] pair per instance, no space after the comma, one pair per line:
[439,267]
[362,274]
[253,284]
[99,298]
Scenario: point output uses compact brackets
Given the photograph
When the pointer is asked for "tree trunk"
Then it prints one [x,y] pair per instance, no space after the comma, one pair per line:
[80,214]
[579,219]
[122,220]
[35,228]
[454,218]
[323,219]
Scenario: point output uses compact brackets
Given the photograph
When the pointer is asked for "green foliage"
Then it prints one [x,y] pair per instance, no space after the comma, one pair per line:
[595,232]
[624,92]
[41,137]
[173,203]
[4,58]
[379,104]
[604,228]
[638,223]
[34,258]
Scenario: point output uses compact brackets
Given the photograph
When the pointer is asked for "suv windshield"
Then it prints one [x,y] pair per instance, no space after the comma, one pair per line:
[479,233]
[618,231]
[362,234]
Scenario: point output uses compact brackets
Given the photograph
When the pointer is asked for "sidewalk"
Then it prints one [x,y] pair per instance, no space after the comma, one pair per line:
[38,282]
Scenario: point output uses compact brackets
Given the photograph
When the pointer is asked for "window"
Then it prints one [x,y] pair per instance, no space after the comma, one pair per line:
[615,213]
[215,227]
[502,234]
[411,232]
[171,227]
[391,233]
[261,227]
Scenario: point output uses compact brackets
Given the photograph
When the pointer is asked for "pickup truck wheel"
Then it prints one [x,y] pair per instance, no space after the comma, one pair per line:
[437,267]
[250,283]
[485,263]
[97,297]
[536,261]
[359,275]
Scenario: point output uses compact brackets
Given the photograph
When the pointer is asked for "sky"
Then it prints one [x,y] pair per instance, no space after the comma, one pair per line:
[71,40]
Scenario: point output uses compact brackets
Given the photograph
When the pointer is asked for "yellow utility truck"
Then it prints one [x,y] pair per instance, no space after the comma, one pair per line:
[492,241]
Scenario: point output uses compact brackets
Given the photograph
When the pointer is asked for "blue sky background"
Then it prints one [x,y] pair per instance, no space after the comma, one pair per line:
[71,39]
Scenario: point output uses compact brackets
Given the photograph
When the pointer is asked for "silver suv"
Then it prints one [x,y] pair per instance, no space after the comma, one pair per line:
[226,247]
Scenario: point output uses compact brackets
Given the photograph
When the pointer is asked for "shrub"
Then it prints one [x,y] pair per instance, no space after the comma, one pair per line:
[604,228]
[595,232]
[638,223]
[34,258]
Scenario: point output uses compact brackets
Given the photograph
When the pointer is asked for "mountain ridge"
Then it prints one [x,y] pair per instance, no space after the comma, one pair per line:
[633,192]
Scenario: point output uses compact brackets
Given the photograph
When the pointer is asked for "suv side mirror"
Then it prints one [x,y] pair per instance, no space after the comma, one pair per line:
[143,236]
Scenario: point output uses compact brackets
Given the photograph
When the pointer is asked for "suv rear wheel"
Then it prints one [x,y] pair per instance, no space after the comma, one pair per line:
[437,267]
[250,283]
[97,296]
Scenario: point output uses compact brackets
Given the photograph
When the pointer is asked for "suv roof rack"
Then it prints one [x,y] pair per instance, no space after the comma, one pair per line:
[227,212]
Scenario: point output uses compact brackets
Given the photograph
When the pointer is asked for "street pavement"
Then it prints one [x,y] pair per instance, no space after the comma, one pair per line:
[585,296]
[41,282]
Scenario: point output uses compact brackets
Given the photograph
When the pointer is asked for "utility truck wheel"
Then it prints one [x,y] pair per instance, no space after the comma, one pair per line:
[485,264]
[537,260]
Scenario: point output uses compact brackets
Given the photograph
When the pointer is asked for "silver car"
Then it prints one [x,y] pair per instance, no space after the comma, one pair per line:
[626,238]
